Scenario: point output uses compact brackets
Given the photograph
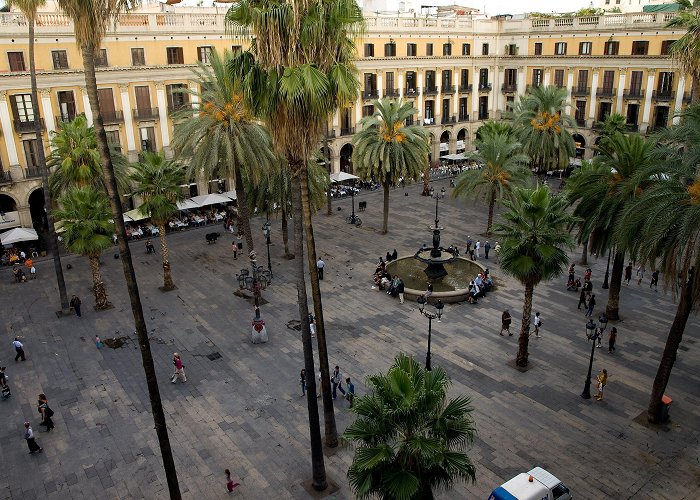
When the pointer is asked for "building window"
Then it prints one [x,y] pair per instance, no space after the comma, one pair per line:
[608,80]
[640,48]
[429,116]
[666,47]
[22,107]
[428,49]
[148,139]
[665,85]
[604,110]
[582,79]
[580,114]
[177,98]
[538,48]
[367,110]
[560,48]
[636,83]
[559,77]
[60,59]
[390,50]
[511,78]
[204,54]
[31,154]
[511,49]
[101,59]
[661,117]
[484,49]
[369,50]
[138,57]
[66,105]
[411,50]
[632,114]
[537,77]
[464,78]
[611,48]
[236,49]
[446,49]
[410,82]
[484,107]
[584,48]
[430,81]
[466,49]
[113,138]
[175,55]
[16,61]
[483,78]
[447,81]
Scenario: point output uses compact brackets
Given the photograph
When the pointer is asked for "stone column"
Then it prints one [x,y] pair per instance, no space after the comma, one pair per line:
[163,115]
[521,83]
[380,87]
[420,89]
[128,120]
[569,84]
[547,77]
[620,91]
[651,76]
[455,97]
[86,106]
[401,89]
[475,95]
[47,111]
[496,94]
[592,102]
[679,98]
[7,131]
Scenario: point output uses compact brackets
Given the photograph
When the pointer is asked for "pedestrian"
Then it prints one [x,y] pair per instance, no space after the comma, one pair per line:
[98,342]
[628,273]
[19,349]
[302,381]
[655,280]
[640,272]
[31,442]
[477,248]
[400,288]
[337,381]
[234,247]
[46,412]
[487,249]
[350,395]
[319,389]
[588,287]
[591,306]
[587,274]
[602,380]
[538,323]
[239,240]
[320,265]
[179,369]
[497,251]
[3,377]
[312,325]
[75,304]
[230,484]
[612,338]
[469,244]
[572,272]
[582,299]
[428,290]
[505,323]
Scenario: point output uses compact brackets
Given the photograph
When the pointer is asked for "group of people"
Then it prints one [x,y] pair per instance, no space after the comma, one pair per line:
[200,218]
[13,256]
[381,277]
[479,286]
[18,273]
[475,251]
[336,380]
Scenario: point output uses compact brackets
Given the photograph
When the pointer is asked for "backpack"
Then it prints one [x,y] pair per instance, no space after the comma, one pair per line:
[48,412]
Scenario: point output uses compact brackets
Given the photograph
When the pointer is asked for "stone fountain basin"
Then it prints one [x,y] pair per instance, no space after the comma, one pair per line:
[451,289]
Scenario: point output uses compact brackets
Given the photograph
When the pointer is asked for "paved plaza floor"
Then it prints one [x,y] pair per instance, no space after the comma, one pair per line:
[243,410]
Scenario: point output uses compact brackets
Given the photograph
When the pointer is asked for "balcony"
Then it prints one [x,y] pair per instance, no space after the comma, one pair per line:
[605,92]
[448,89]
[529,88]
[32,172]
[581,122]
[430,90]
[411,92]
[5,177]
[112,117]
[665,95]
[580,91]
[179,106]
[509,88]
[146,114]
[633,94]
[484,116]
[465,89]
[23,127]
[64,119]
[485,87]
[391,92]
[463,118]
[447,119]
[370,94]
[427,122]
[347,131]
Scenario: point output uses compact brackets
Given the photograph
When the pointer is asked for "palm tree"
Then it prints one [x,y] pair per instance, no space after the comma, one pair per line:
[612,125]
[223,137]
[601,194]
[298,71]
[686,50]
[501,171]
[541,122]
[158,182]
[91,19]
[493,127]
[29,8]
[388,149]
[409,438]
[662,228]
[534,232]
[87,230]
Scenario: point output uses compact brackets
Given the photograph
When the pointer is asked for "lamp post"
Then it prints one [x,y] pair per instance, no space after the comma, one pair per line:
[255,280]
[607,273]
[592,334]
[431,316]
[266,233]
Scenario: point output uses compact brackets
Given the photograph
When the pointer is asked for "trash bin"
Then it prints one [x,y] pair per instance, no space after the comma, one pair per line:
[664,408]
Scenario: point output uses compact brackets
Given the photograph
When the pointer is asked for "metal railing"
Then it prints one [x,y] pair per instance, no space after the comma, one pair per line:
[112,117]
[32,172]
[449,119]
[65,118]
[391,92]
[485,87]
[175,107]
[484,116]
[463,89]
[370,94]
[412,91]
[606,92]
[5,176]
[580,91]
[632,94]
[666,95]
[430,90]
[509,87]
[581,122]
[347,131]
[448,89]
[23,126]
[145,114]
[463,118]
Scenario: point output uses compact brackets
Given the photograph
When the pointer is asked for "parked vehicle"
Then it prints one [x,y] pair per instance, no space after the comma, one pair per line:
[538,484]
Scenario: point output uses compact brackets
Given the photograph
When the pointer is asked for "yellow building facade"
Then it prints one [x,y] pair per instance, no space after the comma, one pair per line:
[457,71]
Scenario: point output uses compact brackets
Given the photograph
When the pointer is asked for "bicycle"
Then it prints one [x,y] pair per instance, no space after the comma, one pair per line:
[353,219]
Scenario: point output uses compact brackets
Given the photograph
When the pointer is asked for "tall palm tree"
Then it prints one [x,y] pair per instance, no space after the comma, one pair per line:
[409,438]
[612,125]
[388,149]
[29,8]
[662,228]
[91,19]
[87,230]
[298,71]
[503,168]
[223,137]
[493,127]
[158,182]
[541,125]
[686,50]
[534,238]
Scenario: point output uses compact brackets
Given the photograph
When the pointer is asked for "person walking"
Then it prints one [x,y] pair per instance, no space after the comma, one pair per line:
[612,338]
[400,288]
[350,395]
[19,349]
[628,273]
[75,304]
[312,325]
[655,280]
[302,381]
[602,380]
[487,249]
[239,240]
[469,245]
[320,265]
[337,381]
[31,442]
[98,342]
[477,248]
[179,369]
[46,412]
[582,299]
[497,251]
[640,272]
[505,323]
[234,248]
[591,306]
[230,483]
[538,323]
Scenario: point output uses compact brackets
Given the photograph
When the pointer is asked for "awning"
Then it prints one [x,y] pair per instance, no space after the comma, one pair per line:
[186,204]
[210,199]
[134,215]
[18,234]
[454,157]
[460,144]
[342,177]
[229,194]
[444,146]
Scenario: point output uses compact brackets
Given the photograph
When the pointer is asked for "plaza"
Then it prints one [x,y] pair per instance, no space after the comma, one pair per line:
[242,409]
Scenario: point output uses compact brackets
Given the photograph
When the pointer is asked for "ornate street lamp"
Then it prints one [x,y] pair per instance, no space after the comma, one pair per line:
[593,334]
[255,280]
[439,306]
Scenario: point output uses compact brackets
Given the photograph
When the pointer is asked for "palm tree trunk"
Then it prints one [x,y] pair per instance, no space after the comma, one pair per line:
[168,283]
[327,151]
[98,286]
[285,233]
[52,240]
[317,462]
[584,254]
[331,431]
[492,203]
[130,276]
[521,359]
[673,341]
[426,180]
[243,211]
[385,224]
[612,309]
[695,90]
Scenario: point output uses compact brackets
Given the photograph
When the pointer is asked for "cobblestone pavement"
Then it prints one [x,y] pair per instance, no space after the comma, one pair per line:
[243,410]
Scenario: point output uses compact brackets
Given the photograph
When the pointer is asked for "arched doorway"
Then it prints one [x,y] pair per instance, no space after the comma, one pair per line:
[462,140]
[36,210]
[346,159]
[9,216]
[580,143]
[445,143]
[325,158]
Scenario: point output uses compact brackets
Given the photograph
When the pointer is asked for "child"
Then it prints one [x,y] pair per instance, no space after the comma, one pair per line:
[98,342]
[230,485]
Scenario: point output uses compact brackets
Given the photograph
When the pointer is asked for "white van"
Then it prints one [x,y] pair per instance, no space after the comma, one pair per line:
[538,484]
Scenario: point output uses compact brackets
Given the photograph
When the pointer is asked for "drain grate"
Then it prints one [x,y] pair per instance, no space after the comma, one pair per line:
[213,356]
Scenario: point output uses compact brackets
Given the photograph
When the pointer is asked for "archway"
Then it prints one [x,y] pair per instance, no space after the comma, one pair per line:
[346,158]
[580,143]
[36,210]
[9,216]
[445,143]
[461,140]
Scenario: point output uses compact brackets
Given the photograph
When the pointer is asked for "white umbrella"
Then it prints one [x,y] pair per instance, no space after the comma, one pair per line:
[210,199]
[186,204]
[342,176]
[230,194]
[18,234]
[134,215]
